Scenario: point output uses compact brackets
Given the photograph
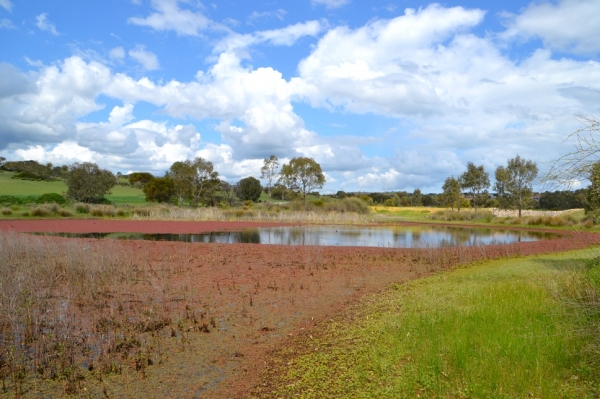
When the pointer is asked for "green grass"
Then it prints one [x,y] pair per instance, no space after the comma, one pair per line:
[491,330]
[22,188]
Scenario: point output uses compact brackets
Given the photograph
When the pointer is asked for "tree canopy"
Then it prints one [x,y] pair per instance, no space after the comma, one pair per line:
[194,180]
[303,175]
[160,189]
[86,182]
[514,183]
[475,180]
[269,171]
[451,194]
[249,188]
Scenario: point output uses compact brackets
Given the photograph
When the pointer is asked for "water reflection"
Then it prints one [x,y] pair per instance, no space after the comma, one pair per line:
[393,236]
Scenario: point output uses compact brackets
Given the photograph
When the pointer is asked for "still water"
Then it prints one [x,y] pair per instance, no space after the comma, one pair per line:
[389,236]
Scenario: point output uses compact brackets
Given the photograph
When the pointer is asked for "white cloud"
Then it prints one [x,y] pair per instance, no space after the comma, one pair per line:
[6,4]
[64,153]
[255,16]
[44,24]
[6,24]
[330,3]
[146,58]
[278,37]
[169,16]
[117,53]
[569,25]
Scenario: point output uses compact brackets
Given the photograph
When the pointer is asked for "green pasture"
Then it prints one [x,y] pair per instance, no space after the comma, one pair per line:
[23,188]
[493,330]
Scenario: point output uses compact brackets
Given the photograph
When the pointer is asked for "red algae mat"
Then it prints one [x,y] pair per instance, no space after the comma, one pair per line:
[260,296]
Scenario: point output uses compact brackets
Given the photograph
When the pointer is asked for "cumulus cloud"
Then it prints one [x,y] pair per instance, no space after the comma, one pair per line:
[568,25]
[147,59]
[330,3]
[6,4]
[43,23]
[169,16]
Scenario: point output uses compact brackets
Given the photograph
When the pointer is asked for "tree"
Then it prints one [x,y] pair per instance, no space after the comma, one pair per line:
[160,189]
[451,194]
[417,198]
[302,174]
[2,160]
[194,180]
[86,182]
[269,171]
[229,192]
[249,188]
[140,177]
[514,183]
[475,180]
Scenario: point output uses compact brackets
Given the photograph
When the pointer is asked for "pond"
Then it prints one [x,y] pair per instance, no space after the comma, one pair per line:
[389,236]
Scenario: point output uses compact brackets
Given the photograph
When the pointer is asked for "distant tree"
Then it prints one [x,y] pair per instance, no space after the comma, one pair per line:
[160,189]
[228,192]
[140,177]
[341,194]
[2,160]
[194,180]
[451,194]
[86,182]
[303,175]
[29,170]
[417,197]
[475,180]
[249,188]
[561,200]
[269,171]
[514,183]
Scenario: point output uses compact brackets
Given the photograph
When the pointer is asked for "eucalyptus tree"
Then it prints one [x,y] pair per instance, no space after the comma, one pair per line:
[474,180]
[514,183]
[269,171]
[303,175]
[86,182]
[451,194]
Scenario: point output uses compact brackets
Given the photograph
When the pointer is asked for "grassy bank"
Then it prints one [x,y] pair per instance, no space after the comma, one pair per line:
[490,330]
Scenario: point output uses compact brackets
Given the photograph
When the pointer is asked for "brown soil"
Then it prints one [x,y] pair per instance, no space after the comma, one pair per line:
[260,296]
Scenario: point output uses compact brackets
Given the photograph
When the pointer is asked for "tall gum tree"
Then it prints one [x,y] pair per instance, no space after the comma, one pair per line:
[475,180]
[514,183]
[302,174]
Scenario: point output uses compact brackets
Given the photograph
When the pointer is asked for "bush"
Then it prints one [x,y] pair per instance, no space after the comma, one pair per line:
[10,200]
[82,208]
[349,204]
[6,211]
[51,198]
[41,211]
[64,213]
[459,216]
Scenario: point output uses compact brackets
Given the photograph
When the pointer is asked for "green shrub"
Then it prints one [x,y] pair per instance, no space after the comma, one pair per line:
[10,200]
[51,198]
[26,213]
[348,204]
[6,211]
[82,208]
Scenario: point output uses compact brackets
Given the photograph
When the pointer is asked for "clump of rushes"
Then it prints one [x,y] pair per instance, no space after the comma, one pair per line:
[7,211]
[67,312]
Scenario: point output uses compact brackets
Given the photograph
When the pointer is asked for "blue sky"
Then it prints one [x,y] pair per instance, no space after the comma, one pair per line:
[385,95]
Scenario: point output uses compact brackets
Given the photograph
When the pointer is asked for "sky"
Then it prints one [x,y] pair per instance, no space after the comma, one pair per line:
[385,95]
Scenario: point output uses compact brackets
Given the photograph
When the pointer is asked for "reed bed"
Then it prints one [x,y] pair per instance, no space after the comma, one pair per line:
[68,312]
[249,215]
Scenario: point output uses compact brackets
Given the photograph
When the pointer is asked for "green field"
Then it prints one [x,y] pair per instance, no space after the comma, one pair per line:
[491,330]
[23,188]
